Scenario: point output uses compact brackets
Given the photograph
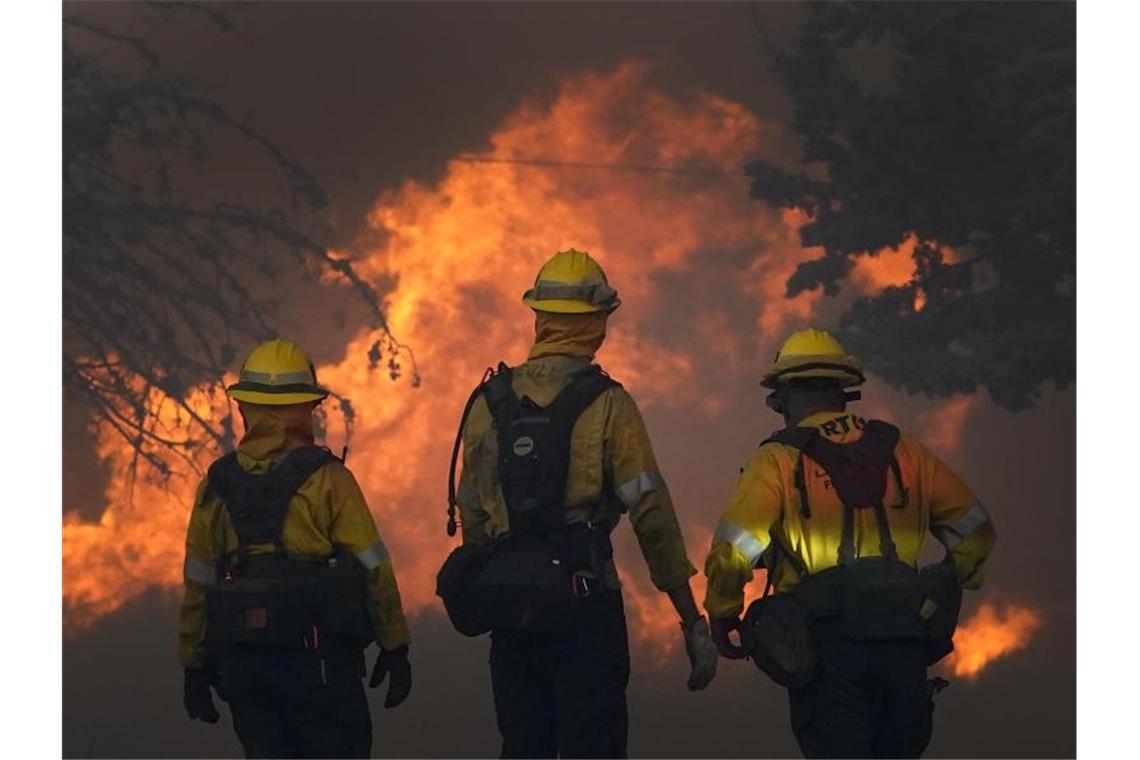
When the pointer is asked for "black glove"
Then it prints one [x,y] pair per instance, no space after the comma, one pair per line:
[394,661]
[196,697]
[720,627]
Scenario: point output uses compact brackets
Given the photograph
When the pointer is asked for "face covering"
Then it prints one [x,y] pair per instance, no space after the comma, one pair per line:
[568,334]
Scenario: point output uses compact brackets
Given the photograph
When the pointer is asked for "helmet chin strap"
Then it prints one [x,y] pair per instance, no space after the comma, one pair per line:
[775,402]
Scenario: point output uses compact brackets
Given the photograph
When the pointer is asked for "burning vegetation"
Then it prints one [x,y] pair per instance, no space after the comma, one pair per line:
[458,254]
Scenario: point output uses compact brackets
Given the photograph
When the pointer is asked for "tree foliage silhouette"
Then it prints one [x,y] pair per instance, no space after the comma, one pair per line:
[971,147]
[160,280]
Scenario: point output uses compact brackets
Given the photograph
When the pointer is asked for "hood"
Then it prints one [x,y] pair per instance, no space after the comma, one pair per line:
[568,334]
[273,430]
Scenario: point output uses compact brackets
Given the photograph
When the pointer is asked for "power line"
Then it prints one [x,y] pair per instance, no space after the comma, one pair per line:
[550,163]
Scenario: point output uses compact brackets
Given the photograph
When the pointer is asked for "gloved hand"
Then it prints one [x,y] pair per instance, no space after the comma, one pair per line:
[721,627]
[702,653]
[394,661]
[196,697]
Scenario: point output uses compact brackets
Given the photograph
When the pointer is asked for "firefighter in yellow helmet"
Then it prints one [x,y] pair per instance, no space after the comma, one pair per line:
[836,508]
[554,452]
[287,580]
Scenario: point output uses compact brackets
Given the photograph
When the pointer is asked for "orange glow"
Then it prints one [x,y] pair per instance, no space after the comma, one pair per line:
[992,632]
[887,268]
[459,254]
[943,423]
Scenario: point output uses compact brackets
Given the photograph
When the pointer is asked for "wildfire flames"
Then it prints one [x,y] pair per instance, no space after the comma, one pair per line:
[459,253]
[992,632]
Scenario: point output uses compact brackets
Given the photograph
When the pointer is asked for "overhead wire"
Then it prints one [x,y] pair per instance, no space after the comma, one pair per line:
[550,163]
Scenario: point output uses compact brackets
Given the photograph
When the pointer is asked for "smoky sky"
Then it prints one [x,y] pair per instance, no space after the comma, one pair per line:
[371,94]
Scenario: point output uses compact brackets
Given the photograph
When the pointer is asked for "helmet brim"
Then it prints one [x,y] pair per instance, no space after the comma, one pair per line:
[276,397]
[845,369]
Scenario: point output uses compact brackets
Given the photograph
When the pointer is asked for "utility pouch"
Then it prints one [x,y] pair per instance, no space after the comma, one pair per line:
[258,609]
[344,600]
[453,584]
[882,599]
[776,635]
[943,604]
[526,588]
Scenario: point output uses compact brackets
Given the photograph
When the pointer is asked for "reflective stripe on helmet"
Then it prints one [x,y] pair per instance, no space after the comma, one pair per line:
[631,491]
[595,292]
[746,541]
[953,534]
[282,378]
[373,555]
[200,572]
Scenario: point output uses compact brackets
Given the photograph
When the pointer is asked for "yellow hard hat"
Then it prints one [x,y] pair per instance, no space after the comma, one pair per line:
[571,283]
[277,372]
[813,353]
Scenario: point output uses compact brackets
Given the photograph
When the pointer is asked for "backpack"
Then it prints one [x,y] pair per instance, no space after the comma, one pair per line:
[526,579]
[275,598]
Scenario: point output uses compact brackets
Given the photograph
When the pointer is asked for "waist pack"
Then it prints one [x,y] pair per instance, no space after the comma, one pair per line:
[286,601]
[877,599]
[521,585]
[776,635]
[943,604]
[871,599]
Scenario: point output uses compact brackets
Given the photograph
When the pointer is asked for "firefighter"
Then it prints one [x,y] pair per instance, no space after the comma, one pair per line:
[836,508]
[554,452]
[287,580]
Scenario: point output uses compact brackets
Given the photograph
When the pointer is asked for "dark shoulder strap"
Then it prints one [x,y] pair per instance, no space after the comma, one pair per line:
[798,438]
[584,387]
[257,504]
[480,389]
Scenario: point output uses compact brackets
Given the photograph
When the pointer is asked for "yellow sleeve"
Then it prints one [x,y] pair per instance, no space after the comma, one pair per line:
[631,469]
[204,547]
[743,534]
[473,484]
[957,519]
[354,529]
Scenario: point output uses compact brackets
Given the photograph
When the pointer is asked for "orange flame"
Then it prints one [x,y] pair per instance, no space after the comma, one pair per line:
[992,632]
[459,253]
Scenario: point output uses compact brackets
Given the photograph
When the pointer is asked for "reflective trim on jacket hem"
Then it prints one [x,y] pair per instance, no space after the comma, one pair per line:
[373,555]
[199,572]
[631,491]
[744,540]
[953,534]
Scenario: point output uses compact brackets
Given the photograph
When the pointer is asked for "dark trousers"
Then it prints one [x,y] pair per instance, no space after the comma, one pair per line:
[286,703]
[564,694]
[867,699]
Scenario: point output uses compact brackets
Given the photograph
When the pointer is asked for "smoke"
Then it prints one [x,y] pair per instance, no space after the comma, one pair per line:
[701,269]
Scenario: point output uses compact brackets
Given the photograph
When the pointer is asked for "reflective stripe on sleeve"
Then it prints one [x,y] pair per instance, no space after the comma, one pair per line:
[744,540]
[953,534]
[199,572]
[631,491]
[373,555]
